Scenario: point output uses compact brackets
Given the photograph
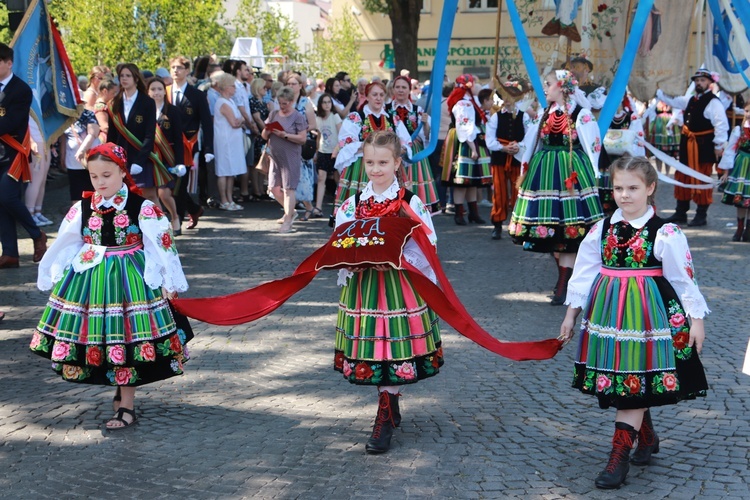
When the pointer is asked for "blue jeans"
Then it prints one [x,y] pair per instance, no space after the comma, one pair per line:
[13,209]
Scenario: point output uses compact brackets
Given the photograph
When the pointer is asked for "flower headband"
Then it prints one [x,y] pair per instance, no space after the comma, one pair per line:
[465,81]
[566,81]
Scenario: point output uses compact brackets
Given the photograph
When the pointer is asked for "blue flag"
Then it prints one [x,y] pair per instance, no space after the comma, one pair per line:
[41,61]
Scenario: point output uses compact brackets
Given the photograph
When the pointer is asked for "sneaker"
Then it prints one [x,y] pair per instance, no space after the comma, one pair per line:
[235,207]
[41,220]
[485,203]
[225,206]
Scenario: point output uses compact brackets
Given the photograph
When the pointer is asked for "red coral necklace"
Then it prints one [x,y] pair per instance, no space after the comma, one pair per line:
[612,237]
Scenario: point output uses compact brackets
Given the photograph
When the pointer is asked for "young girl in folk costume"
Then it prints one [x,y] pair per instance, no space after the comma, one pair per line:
[466,161]
[558,199]
[418,175]
[108,321]
[663,131]
[168,145]
[642,325]
[624,119]
[371,117]
[386,335]
[505,133]
[736,166]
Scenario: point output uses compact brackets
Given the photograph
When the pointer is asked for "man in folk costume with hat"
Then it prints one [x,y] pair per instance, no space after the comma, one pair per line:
[701,145]
[588,95]
[504,138]
[15,148]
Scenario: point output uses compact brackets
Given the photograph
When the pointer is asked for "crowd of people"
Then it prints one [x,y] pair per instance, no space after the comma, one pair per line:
[204,135]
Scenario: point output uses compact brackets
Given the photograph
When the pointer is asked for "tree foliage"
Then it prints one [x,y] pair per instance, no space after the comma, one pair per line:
[4,24]
[336,51]
[404,16]
[146,32]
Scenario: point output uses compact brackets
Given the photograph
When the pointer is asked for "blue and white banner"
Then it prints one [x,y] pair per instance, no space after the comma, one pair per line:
[41,61]
[727,45]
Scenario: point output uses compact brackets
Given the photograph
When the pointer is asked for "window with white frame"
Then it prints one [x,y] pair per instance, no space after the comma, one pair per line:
[476,5]
[426,6]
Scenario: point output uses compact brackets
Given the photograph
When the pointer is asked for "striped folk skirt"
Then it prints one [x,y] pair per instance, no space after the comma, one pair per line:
[353,179]
[549,217]
[385,333]
[419,177]
[737,191]
[633,351]
[459,169]
[105,326]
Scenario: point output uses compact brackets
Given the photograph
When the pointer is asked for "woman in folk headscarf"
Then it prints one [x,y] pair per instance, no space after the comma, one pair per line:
[466,160]
[558,199]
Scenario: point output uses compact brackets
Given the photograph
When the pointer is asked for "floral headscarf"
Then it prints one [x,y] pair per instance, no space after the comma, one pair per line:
[566,81]
[464,83]
[116,154]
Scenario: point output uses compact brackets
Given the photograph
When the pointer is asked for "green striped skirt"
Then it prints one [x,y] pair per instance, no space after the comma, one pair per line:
[466,172]
[105,326]
[737,190]
[548,217]
[385,333]
[419,177]
[352,180]
[663,140]
[633,350]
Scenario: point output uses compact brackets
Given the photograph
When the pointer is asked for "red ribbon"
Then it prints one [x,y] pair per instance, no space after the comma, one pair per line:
[571,181]
[252,304]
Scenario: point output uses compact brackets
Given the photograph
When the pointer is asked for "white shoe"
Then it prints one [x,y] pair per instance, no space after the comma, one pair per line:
[41,220]
[225,206]
[485,203]
[235,207]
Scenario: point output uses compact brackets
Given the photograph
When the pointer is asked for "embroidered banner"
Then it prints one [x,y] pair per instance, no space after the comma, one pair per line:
[725,53]
[41,61]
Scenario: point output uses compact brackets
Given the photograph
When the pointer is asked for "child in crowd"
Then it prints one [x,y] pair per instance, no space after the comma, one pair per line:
[328,123]
[736,166]
[642,326]
[113,266]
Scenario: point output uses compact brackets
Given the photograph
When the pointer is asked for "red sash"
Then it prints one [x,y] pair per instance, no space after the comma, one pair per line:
[19,169]
[252,304]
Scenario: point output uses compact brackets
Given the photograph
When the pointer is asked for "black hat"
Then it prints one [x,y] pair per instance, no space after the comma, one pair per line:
[582,59]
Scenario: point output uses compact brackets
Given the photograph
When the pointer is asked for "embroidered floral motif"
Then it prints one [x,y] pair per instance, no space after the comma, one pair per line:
[88,256]
[170,346]
[94,355]
[406,371]
[176,366]
[70,372]
[145,352]
[338,361]
[680,330]
[636,251]
[71,213]
[358,242]
[363,371]
[630,385]
[116,354]
[665,382]
[346,141]
[348,208]
[122,376]
[148,212]
[39,342]
[63,351]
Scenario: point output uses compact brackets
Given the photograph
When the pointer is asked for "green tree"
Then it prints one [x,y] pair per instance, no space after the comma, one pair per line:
[336,51]
[278,33]
[145,32]
[4,24]
[404,16]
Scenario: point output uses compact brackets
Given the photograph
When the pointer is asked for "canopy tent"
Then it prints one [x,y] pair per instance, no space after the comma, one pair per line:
[249,50]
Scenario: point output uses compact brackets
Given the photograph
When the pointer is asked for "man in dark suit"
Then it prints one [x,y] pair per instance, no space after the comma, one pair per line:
[196,116]
[15,105]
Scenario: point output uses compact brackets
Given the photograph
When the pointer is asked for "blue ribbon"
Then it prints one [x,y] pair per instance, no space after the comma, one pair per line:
[617,90]
[742,9]
[719,24]
[438,73]
[526,53]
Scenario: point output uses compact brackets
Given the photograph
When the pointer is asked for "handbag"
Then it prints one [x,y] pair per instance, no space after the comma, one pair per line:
[264,164]
[618,142]
[310,147]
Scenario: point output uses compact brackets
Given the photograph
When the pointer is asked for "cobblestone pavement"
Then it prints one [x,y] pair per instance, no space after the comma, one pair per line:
[260,413]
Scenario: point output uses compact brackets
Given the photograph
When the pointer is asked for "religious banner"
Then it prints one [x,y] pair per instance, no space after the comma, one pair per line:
[41,61]
[727,57]
[663,52]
